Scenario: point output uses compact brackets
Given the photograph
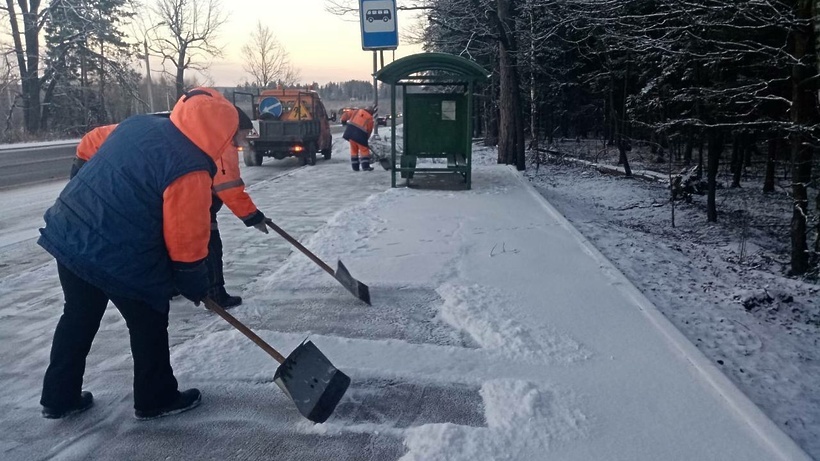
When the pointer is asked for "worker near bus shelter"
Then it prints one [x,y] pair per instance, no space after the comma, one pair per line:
[131,226]
[228,188]
[358,131]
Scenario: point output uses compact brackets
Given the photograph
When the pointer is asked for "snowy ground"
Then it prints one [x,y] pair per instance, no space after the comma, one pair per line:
[496,331]
[721,284]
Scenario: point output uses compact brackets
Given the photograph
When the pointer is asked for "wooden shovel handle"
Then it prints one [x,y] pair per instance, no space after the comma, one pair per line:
[212,305]
[304,250]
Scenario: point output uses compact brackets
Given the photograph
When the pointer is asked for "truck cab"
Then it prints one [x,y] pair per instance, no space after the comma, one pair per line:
[289,123]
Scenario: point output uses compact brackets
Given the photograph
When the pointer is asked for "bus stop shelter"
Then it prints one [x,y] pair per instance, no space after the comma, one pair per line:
[437,97]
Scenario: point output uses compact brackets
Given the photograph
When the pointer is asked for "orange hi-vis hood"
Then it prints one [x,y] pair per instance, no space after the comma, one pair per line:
[207,118]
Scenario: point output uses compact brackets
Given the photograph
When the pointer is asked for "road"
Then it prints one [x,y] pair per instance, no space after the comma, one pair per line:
[22,166]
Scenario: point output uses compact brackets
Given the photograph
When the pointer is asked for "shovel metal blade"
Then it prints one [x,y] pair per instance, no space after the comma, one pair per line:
[359,289]
[312,382]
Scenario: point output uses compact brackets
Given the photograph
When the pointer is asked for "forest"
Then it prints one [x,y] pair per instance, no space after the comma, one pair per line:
[705,85]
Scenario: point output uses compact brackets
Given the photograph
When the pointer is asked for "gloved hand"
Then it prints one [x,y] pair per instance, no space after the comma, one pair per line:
[263,226]
[258,221]
[191,279]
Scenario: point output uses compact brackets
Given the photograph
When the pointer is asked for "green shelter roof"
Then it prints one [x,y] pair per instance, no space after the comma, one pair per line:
[412,66]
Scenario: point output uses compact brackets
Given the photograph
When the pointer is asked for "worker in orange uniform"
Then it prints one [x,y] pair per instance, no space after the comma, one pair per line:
[358,131]
[228,187]
[130,227]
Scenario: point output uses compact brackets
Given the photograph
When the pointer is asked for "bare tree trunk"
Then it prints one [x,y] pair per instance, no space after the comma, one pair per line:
[715,149]
[700,156]
[179,81]
[737,157]
[533,94]
[771,164]
[804,113]
[511,130]
[817,213]
[84,87]
[491,116]
[690,145]
[28,59]
[623,144]
[103,117]
[506,119]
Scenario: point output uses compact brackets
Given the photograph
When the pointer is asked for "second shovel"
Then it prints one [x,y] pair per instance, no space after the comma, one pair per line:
[359,289]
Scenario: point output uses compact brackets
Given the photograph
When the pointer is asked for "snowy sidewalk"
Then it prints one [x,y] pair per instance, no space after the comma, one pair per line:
[491,289]
[496,332]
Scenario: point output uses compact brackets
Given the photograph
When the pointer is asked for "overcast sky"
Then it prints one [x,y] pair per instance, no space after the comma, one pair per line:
[325,47]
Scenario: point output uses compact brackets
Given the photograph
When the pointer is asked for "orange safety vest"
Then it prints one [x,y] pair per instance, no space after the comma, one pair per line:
[362,120]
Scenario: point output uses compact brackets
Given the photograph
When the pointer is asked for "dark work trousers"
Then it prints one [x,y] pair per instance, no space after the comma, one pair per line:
[154,383]
[214,260]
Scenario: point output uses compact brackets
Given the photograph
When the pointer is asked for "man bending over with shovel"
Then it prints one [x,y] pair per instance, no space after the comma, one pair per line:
[131,226]
[358,131]
[228,188]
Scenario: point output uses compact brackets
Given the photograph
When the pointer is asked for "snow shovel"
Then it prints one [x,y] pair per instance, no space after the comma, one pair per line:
[359,289]
[306,375]
[384,161]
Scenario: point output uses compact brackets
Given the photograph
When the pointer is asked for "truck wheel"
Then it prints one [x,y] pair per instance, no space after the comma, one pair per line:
[326,153]
[303,159]
[311,153]
[251,157]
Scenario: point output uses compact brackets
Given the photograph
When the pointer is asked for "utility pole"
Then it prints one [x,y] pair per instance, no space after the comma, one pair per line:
[148,73]
[375,95]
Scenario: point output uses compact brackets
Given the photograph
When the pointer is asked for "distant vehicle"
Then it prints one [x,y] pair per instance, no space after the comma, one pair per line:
[289,123]
[378,15]
[381,121]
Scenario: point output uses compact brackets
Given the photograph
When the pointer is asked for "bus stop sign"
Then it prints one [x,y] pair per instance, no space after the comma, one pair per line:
[378,21]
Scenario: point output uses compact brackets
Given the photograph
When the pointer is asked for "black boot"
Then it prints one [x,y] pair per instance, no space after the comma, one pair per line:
[85,402]
[221,297]
[230,301]
[185,401]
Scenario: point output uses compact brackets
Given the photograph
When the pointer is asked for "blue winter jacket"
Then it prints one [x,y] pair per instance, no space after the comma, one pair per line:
[106,225]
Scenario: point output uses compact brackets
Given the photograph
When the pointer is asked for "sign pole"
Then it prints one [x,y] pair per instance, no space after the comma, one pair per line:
[375,96]
[377,19]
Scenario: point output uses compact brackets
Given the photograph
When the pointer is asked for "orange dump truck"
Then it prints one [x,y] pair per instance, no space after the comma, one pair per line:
[289,123]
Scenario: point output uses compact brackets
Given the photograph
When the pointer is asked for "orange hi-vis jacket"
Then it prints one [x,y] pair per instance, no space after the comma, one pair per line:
[92,141]
[363,120]
[229,186]
[227,183]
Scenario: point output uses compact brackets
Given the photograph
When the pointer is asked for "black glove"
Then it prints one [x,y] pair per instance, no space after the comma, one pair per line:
[75,167]
[258,221]
[191,279]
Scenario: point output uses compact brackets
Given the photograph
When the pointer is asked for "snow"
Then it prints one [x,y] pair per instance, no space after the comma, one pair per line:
[499,329]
